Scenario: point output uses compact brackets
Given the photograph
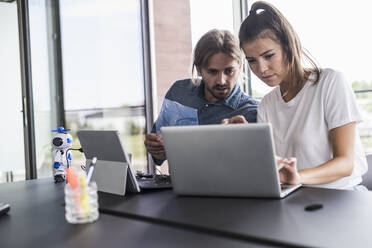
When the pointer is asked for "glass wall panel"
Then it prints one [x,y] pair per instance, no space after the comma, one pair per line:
[12,158]
[210,14]
[42,95]
[219,14]
[178,25]
[103,71]
[336,35]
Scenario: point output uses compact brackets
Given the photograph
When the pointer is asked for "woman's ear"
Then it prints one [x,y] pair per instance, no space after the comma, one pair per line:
[198,70]
[241,65]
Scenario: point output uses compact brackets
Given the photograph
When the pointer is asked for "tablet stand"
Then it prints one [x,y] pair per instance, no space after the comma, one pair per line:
[114,177]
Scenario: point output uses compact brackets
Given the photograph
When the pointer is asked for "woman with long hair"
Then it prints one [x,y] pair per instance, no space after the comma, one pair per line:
[313,111]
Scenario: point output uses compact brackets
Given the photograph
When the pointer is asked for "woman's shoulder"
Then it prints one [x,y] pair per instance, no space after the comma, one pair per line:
[327,74]
[333,83]
[330,78]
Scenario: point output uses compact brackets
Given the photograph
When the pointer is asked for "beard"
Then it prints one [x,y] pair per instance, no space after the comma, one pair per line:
[219,91]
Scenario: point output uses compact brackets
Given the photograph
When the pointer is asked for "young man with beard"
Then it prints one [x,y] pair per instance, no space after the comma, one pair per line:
[211,97]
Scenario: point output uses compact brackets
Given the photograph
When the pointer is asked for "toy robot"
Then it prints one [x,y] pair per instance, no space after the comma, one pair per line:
[61,156]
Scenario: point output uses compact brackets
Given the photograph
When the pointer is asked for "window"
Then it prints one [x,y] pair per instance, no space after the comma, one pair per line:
[103,71]
[43,97]
[12,157]
[226,14]
[220,16]
[335,34]
[178,25]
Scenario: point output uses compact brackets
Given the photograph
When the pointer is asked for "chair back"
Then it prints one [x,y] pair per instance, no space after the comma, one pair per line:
[367,177]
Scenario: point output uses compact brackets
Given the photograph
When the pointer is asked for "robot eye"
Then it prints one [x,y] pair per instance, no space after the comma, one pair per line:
[57,141]
[68,140]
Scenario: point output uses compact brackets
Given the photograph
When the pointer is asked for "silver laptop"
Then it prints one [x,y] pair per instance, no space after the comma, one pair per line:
[223,160]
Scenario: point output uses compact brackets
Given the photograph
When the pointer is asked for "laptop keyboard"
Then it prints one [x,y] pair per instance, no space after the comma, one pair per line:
[154,181]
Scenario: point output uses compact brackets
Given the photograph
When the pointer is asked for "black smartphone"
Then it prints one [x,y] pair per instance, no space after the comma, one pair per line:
[4,208]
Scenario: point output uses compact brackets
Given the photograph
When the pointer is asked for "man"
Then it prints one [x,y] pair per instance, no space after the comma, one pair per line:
[209,99]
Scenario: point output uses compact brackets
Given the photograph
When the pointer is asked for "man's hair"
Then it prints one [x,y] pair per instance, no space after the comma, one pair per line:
[213,42]
[266,21]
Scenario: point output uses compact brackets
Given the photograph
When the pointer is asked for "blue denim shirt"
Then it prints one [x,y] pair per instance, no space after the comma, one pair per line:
[184,104]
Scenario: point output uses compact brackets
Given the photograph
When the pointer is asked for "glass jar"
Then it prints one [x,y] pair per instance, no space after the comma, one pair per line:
[81,203]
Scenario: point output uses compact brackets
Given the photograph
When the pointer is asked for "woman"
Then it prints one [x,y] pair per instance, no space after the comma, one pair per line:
[313,112]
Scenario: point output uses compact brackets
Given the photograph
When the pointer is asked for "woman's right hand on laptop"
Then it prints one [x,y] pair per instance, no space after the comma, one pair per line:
[154,145]
[288,172]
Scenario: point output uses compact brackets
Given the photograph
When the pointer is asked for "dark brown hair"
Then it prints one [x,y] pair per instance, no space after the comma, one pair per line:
[266,21]
[213,42]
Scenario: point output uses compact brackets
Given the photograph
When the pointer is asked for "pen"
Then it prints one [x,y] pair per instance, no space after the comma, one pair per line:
[91,169]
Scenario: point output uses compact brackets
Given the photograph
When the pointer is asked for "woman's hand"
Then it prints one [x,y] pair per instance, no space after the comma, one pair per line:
[287,168]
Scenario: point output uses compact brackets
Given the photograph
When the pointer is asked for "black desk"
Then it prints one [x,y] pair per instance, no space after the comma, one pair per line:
[36,219]
[344,221]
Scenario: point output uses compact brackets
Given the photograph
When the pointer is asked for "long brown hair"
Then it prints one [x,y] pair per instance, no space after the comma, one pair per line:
[213,42]
[266,21]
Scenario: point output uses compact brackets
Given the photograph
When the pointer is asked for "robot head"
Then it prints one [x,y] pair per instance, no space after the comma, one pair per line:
[62,140]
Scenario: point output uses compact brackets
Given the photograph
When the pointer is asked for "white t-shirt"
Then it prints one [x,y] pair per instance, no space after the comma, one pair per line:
[301,126]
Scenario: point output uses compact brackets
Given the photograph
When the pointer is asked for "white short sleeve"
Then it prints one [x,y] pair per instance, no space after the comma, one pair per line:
[339,102]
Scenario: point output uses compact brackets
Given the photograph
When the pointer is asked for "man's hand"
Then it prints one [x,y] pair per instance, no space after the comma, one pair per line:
[154,145]
[235,120]
[287,168]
